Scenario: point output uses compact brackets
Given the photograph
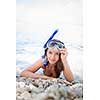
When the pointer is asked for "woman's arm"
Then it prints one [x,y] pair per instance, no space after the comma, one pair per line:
[30,71]
[67,71]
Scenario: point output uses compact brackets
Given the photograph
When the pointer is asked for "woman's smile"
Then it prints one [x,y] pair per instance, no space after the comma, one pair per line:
[52,60]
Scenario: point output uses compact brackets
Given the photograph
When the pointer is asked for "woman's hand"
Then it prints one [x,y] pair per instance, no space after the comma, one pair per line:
[64,54]
[67,72]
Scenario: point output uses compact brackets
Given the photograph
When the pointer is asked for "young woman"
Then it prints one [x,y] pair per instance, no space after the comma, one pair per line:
[54,61]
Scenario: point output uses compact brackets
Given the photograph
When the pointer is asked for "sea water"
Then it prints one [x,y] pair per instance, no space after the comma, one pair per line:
[29,48]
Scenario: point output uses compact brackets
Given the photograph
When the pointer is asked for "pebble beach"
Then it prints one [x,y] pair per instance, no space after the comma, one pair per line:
[55,89]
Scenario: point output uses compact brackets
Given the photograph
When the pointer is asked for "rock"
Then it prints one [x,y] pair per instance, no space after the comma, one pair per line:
[75,91]
[26,95]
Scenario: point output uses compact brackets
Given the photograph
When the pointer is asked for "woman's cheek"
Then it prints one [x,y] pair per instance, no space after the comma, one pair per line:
[57,57]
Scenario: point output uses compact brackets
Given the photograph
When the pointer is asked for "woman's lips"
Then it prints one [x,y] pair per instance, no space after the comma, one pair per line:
[52,60]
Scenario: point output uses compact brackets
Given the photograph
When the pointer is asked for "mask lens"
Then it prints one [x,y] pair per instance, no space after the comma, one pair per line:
[52,44]
[56,44]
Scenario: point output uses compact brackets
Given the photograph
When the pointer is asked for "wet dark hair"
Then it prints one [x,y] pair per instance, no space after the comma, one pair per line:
[59,65]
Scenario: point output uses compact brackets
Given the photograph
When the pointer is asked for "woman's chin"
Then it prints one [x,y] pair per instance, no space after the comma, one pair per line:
[52,62]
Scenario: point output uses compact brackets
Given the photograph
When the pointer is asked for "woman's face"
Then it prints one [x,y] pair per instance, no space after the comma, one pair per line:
[53,55]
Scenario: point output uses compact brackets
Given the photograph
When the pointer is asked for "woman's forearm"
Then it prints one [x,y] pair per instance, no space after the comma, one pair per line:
[33,75]
[67,72]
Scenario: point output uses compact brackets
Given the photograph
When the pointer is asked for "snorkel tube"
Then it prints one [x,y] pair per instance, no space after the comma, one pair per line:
[45,45]
[44,59]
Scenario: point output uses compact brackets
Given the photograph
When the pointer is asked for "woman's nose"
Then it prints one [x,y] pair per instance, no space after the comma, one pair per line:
[52,57]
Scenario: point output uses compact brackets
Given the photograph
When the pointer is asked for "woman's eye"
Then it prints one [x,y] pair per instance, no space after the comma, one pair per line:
[57,53]
[50,52]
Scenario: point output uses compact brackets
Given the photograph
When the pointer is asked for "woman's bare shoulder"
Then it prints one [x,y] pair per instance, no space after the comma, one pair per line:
[35,66]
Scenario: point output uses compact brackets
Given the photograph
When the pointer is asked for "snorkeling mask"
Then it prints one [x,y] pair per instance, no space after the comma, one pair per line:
[55,43]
